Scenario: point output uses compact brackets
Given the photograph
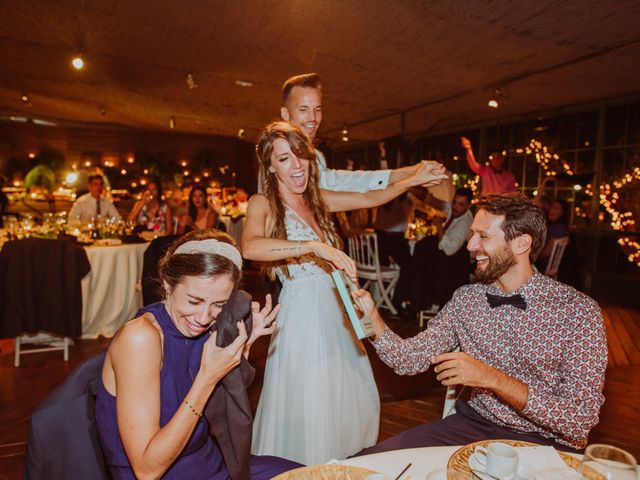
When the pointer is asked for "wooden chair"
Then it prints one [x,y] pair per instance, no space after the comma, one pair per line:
[363,248]
[557,251]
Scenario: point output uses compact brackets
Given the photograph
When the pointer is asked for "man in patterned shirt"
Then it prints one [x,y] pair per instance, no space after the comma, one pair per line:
[532,350]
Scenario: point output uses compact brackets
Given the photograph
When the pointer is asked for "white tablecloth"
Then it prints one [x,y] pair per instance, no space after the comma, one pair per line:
[423,461]
[109,295]
[233,228]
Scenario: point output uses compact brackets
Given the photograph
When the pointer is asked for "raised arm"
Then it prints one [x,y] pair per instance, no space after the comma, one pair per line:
[135,358]
[471,159]
[133,215]
[168,226]
[257,246]
[427,174]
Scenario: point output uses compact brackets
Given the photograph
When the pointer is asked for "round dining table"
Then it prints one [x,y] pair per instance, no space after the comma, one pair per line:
[111,293]
[423,461]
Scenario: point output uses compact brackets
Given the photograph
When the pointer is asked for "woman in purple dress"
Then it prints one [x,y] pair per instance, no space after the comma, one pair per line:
[162,367]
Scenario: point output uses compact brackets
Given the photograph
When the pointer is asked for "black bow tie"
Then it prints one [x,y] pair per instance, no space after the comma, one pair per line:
[517,301]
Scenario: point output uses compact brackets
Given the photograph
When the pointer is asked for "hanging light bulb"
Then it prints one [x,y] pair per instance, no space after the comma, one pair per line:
[493,103]
[77,62]
[345,134]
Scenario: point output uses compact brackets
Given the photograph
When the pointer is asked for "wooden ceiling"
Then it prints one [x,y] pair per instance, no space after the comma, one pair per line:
[439,61]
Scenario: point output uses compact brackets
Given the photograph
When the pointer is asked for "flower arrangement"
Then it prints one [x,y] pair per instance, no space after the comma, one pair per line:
[420,228]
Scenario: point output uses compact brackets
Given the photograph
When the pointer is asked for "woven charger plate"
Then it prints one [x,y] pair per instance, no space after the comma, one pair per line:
[326,472]
[458,465]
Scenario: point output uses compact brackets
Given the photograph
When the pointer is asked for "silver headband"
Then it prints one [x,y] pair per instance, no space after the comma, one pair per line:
[211,245]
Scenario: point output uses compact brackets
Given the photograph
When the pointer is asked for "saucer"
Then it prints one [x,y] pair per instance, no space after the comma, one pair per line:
[478,470]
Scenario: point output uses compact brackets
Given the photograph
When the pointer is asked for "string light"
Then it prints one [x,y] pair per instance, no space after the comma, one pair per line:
[624,221]
[608,198]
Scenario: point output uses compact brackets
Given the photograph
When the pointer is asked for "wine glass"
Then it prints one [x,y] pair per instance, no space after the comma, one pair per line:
[611,462]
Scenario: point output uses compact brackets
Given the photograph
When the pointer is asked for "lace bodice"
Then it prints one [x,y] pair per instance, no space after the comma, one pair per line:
[307,265]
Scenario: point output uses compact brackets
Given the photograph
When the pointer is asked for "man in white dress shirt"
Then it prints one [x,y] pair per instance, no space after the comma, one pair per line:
[441,264]
[455,231]
[92,204]
[302,105]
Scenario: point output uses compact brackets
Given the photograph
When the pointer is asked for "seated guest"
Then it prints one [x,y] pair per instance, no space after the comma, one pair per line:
[162,367]
[93,204]
[151,211]
[441,264]
[557,227]
[199,215]
[391,222]
[532,350]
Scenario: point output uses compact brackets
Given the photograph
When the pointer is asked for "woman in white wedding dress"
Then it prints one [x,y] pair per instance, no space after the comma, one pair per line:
[319,399]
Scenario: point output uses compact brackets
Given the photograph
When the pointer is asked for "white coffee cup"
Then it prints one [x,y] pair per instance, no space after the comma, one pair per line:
[498,459]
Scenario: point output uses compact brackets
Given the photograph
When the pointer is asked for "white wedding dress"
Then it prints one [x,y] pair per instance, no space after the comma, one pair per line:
[319,399]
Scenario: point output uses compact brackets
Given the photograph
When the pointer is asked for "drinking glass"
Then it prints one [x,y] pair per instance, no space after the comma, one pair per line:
[611,462]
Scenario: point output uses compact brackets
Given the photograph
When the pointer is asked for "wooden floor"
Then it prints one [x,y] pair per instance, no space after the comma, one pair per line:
[406,401]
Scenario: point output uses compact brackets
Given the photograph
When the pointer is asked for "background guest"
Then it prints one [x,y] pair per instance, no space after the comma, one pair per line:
[557,227]
[391,223]
[441,264]
[494,178]
[93,204]
[199,215]
[151,211]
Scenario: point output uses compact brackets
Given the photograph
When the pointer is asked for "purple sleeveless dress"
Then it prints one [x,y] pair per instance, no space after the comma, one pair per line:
[201,457]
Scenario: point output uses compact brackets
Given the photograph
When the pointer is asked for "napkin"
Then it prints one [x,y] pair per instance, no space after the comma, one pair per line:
[546,463]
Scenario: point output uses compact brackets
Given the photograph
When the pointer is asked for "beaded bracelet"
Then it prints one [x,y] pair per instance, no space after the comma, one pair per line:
[195,412]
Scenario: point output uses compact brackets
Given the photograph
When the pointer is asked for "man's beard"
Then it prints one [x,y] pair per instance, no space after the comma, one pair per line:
[499,264]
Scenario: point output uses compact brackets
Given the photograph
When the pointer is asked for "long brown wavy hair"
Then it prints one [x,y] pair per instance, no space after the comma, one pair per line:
[302,148]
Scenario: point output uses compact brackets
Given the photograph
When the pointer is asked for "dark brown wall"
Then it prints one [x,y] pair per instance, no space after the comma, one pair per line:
[104,143]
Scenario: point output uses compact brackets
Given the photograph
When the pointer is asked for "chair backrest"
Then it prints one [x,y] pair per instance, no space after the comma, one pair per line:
[363,248]
[557,250]
[63,438]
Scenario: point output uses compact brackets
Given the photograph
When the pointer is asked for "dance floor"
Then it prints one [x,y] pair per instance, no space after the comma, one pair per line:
[406,401]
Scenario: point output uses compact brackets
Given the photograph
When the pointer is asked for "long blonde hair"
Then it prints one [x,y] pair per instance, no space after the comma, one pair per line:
[302,148]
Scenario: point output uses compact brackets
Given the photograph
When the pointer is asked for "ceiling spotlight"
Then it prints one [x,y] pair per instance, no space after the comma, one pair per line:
[32,155]
[77,62]
[345,134]
[145,171]
[172,123]
[241,133]
[130,160]
[244,83]
[123,171]
[191,81]
[493,103]
[25,98]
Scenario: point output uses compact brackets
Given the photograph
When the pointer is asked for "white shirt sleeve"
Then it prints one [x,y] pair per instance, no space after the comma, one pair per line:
[111,210]
[456,235]
[348,181]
